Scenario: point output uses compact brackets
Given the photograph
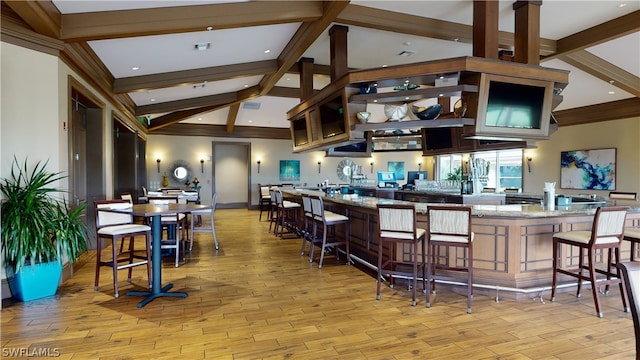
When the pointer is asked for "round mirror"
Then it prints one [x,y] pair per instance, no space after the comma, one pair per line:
[180,173]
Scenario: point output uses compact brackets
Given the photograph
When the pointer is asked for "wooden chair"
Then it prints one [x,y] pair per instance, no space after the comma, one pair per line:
[111,226]
[606,234]
[633,236]
[175,225]
[397,227]
[630,272]
[286,215]
[327,222]
[202,228]
[449,226]
[265,199]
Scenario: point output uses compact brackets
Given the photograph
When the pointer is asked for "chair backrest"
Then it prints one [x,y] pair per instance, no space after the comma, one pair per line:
[449,220]
[623,195]
[127,197]
[144,191]
[107,218]
[306,205]
[162,200]
[272,193]
[608,224]
[317,207]
[630,272]
[279,198]
[264,191]
[397,220]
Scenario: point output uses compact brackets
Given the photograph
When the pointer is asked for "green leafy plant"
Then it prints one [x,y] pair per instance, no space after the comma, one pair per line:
[37,226]
[455,174]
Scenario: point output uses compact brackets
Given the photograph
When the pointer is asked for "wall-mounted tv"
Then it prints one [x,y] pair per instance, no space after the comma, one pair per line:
[513,108]
[332,117]
[299,132]
[438,139]
[354,149]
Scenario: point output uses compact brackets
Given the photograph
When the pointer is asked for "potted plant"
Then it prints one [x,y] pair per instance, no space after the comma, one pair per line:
[39,229]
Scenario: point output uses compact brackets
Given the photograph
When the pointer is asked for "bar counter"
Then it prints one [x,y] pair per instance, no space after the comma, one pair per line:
[512,243]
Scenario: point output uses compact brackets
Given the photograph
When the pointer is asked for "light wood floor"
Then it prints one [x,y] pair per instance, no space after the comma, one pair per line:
[258,298]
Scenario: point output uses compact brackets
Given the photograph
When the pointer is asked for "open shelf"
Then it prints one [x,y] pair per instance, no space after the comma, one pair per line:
[413,95]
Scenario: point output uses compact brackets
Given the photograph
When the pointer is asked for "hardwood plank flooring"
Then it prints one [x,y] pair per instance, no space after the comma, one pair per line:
[257,298]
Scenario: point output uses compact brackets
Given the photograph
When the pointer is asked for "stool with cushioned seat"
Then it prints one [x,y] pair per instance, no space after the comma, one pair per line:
[605,234]
[396,227]
[327,221]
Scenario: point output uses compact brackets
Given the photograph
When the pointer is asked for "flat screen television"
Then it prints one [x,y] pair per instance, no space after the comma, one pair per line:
[299,132]
[513,108]
[356,149]
[435,139]
[332,117]
[386,176]
[412,176]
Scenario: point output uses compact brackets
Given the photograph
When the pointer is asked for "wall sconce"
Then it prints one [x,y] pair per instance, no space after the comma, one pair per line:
[319,166]
[419,166]
[259,162]
[529,163]
[202,166]
[371,163]
[158,161]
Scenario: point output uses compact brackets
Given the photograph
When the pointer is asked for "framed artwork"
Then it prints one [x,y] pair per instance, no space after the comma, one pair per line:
[588,169]
[289,170]
[397,167]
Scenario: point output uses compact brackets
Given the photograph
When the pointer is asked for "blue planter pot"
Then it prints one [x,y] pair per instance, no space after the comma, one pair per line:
[35,282]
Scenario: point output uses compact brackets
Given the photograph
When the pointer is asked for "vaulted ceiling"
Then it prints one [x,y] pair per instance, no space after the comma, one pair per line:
[229,68]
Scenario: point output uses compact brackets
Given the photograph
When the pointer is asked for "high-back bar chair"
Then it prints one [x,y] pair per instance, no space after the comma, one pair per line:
[327,221]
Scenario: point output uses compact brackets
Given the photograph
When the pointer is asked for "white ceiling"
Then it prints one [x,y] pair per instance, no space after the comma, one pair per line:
[367,48]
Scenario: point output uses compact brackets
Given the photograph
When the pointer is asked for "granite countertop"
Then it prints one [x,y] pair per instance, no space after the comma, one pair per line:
[515,210]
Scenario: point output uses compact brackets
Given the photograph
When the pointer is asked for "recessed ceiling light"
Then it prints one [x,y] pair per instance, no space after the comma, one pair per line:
[385,65]
[209,28]
[135,68]
[611,92]
[621,5]
[250,121]
[246,85]
[199,118]
[267,51]
[152,100]
[202,46]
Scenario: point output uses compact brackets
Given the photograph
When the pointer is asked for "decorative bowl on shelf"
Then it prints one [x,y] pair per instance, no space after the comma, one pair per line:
[427,113]
[363,116]
[396,112]
[460,108]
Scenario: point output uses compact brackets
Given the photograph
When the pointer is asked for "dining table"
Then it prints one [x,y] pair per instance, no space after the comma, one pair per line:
[155,212]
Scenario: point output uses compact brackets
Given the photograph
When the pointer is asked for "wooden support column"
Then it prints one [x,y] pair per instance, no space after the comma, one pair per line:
[527,32]
[338,45]
[485,28]
[305,69]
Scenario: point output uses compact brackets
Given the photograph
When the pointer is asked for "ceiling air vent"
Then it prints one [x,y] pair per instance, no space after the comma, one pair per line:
[406,53]
[251,105]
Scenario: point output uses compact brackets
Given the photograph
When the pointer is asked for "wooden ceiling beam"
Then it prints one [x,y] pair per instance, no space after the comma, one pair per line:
[194,76]
[232,116]
[252,132]
[181,19]
[599,34]
[185,104]
[172,118]
[603,70]
[615,110]
[42,16]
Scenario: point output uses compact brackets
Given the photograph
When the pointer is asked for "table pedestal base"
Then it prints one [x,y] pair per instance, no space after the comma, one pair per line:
[150,295]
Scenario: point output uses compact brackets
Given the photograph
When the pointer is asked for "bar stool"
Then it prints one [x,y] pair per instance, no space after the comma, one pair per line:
[111,226]
[286,214]
[307,213]
[273,209]
[449,226]
[397,227]
[630,272]
[632,235]
[606,234]
[265,200]
[328,221]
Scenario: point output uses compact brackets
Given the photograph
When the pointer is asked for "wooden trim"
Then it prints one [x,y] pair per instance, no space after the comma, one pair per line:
[232,116]
[221,131]
[14,32]
[621,109]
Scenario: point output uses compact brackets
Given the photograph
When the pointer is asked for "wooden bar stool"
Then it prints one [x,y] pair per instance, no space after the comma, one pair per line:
[449,226]
[286,215]
[397,227]
[111,226]
[265,200]
[307,214]
[632,235]
[605,234]
[327,222]
[202,228]
[630,272]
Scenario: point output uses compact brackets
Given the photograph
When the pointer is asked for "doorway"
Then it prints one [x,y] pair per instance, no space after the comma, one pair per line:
[231,175]
[86,160]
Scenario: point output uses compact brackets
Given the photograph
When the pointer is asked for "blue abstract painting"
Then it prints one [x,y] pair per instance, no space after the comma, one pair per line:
[588,169]
[289,170]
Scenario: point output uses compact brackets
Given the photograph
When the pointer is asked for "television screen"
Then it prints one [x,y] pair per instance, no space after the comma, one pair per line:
[412,176]
[300,136]
[332,118]
[514,105]
[438,139]
[386,176]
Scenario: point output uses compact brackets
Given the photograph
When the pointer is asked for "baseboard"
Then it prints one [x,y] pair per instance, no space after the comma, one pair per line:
[241,205]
